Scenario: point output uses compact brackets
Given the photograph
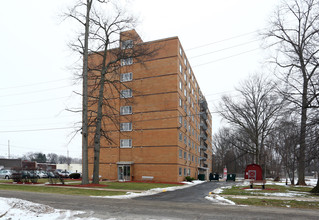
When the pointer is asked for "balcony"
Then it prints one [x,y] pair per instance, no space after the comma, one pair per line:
[203,147]
[203,158]
[203,104]
[203,125]
[203,115]
[203,136]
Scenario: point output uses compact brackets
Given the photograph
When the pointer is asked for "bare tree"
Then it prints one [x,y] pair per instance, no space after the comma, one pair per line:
[82,46]
[108,51]
[294,30]
[285,140]
[253,114]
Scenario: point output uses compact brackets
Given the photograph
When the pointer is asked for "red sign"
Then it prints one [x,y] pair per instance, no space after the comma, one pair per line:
[253,172]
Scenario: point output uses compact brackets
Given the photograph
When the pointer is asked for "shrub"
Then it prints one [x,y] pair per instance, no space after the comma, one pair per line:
[75,176]
[189,179]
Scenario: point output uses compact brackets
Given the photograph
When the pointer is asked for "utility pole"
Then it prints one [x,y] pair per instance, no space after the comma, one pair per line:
[8,149]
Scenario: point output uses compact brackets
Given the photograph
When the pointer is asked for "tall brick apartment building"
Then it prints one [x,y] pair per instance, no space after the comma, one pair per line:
[163,125]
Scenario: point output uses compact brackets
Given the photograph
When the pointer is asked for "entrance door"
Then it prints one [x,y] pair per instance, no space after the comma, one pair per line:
[124,172]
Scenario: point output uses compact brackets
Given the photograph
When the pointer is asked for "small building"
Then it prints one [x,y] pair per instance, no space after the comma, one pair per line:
[10,163]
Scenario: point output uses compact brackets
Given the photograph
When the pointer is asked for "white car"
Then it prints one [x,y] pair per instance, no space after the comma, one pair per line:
[41,174]
[5,174]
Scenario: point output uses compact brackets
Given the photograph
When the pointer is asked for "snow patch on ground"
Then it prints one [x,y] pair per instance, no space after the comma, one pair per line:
[220,200]
[130,195]
[12,209]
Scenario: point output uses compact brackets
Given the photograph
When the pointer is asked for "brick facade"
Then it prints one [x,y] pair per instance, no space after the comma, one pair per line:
[162,119]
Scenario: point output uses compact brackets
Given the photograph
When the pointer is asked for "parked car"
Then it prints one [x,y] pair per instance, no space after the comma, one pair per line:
[5,174]
[41,174]
[63,173]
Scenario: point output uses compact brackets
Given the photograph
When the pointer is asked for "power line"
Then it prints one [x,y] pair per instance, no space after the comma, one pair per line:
[40,101]
[33,84]
[37,91]
[32,130]
[224,58]
[223,49]
[227,39]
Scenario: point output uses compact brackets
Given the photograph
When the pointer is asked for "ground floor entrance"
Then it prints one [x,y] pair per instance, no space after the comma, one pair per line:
[124,172]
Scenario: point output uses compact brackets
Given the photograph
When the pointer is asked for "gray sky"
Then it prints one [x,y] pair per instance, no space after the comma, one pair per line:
[220,39]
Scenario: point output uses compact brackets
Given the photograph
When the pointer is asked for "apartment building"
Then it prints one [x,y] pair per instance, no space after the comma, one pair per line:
[160,127]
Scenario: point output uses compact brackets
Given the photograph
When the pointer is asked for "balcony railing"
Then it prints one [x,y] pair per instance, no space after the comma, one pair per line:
[203,115]
[203,125]
[203,158]
[203,104]
[202,147]
[203,136]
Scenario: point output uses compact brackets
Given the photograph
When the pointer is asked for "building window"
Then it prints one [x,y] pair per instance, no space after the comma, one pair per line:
[180,154]
[189,172]
[185,78]
[180,136]
[185,62]
[185,109]
[180,102]
[192,158]
[127,126]
[180,68]
[184,171]
[180,51]
[125,77]
[180,119]
[189,142]
[126,110]
[180,171]
[126,143]
[180,85]
[126,93]
[127,61]
[185,140]
[185,123]
[127,44]
[185,155]
[189,157]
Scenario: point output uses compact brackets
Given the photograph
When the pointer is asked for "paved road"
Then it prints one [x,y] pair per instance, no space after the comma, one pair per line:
[157,207]
[194,194]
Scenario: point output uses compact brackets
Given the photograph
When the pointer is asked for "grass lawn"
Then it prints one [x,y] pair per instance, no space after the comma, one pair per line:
[132,185]
[276,203]
[272,189]
[137,186]
[240,190]
[81,191]
[60,190]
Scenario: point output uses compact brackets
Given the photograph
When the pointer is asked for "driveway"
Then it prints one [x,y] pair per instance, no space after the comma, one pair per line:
[194,194]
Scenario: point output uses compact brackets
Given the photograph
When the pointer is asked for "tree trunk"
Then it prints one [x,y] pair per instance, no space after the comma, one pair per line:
[316,189]
[303,128]
[97,136]
[85,162]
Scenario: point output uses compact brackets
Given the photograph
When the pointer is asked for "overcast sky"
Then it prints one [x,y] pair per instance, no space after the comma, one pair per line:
[220,39]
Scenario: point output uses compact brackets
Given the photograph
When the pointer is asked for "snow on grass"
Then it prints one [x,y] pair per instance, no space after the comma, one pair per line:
[130,195]
[11,208]
[220,200]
